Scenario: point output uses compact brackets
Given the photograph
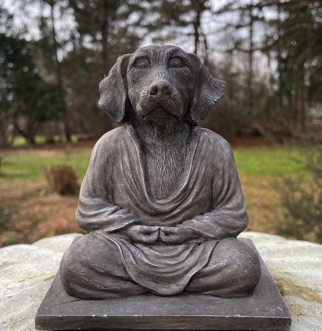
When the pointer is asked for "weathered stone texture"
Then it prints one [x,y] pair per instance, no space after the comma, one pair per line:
[26,272]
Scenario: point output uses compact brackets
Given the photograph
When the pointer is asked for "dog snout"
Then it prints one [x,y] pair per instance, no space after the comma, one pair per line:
[160,88]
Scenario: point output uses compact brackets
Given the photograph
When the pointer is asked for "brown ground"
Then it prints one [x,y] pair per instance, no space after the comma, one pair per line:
[31,212]
[34,213]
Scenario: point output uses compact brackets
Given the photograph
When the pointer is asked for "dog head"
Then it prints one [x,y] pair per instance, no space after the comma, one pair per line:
[160,84]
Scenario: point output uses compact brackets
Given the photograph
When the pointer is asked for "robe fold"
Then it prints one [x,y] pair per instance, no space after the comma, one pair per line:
[208,200]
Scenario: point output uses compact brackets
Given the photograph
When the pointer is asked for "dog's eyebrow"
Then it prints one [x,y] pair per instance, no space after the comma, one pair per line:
[141,53]
[177,52]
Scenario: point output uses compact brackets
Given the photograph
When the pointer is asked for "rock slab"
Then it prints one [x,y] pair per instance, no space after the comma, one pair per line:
[27,271]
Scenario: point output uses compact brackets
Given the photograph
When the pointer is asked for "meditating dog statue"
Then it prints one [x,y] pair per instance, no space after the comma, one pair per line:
[161,201]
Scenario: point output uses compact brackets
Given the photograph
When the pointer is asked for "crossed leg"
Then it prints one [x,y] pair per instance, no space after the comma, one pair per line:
[92,268]
[233,271]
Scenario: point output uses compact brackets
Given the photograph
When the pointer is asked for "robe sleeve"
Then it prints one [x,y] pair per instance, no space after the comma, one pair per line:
[228,217]
[96,210]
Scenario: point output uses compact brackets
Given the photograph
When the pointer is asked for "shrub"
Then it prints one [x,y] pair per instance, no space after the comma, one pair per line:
[62,180]
[301,198]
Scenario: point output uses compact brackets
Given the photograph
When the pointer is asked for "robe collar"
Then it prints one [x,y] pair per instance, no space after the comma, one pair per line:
[182,190]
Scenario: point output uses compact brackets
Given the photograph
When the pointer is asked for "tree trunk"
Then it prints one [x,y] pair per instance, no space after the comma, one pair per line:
[300,114]
[104,27]
[107,123]
[28,131]
[279,56]
[196,26]
[250,60]
[59,77]
[197,7]
[4,139]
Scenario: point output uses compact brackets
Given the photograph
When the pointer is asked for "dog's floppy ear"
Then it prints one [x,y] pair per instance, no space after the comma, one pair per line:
[208,91]
[113,90]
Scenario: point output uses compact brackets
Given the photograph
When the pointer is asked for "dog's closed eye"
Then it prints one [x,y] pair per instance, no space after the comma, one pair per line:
[177,62]
[141,63]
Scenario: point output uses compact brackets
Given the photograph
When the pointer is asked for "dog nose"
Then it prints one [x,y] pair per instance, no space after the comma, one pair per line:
[160,88]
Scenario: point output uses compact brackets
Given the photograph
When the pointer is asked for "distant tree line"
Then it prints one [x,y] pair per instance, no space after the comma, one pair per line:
[269,52]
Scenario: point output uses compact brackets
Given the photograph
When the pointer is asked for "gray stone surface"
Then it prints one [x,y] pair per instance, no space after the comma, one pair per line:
[26,272]
[296,267]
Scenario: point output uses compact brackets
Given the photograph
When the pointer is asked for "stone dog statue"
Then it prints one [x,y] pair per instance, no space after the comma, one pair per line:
[161,200]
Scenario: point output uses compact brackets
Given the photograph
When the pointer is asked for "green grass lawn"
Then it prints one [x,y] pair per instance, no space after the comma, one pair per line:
[269,161]
[29,164]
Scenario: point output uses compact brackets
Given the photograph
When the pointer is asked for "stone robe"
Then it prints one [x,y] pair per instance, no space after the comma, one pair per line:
[116,194]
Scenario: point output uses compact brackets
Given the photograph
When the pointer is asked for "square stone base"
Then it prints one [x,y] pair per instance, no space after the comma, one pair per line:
[263,310]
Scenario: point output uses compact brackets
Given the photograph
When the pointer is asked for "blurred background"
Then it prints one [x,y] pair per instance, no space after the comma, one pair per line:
[54,53]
